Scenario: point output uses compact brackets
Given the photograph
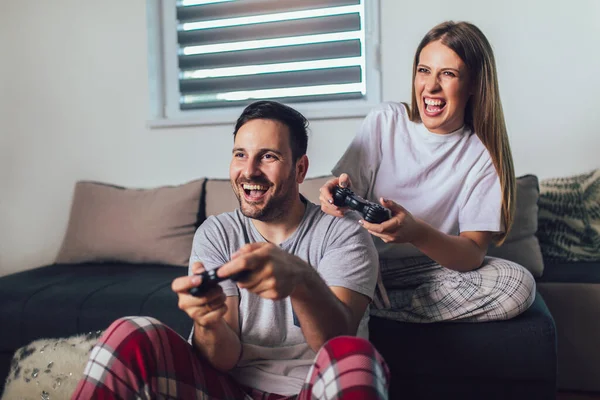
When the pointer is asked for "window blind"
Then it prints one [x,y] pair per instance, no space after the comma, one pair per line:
[232,52]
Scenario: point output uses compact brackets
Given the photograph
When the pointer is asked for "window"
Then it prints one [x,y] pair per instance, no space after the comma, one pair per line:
[209,59]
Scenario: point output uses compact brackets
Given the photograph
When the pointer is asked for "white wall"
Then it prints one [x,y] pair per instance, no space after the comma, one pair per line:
[74,95]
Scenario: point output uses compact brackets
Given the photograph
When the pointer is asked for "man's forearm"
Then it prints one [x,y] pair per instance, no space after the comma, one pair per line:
[321,314]
[219,344]
[453,252]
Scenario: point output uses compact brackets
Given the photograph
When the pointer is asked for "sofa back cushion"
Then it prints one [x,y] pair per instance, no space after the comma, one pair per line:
[109,223]
[521,244]
[219,197]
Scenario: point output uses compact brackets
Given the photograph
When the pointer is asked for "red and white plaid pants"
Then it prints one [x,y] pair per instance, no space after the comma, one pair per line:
[141,358]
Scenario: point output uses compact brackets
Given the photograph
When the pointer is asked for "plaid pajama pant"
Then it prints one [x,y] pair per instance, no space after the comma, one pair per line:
[420,290]
[141,358]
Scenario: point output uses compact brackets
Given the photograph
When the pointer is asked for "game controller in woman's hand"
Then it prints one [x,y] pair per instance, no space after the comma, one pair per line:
[210,280]
[372,212]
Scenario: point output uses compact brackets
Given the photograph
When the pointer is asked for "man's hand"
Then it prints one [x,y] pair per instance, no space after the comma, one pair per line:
[274,274]
[326,197]
[206,310]
[401,228]
[271,272]
[216,326]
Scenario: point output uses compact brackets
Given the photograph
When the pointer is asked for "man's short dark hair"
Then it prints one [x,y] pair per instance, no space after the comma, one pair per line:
[296,123]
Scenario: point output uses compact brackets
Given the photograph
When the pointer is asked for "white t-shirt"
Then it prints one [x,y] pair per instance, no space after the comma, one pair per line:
[275,355]
[449,180]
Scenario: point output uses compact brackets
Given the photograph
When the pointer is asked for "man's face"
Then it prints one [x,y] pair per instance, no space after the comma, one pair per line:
[262,172]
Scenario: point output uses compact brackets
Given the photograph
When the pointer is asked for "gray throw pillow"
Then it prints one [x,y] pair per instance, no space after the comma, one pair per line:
[521,244]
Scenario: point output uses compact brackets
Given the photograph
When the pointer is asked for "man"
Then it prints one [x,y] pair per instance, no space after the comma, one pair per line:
[289,326]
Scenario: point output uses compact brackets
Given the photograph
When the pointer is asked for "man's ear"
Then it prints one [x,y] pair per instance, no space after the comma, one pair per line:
[301,168]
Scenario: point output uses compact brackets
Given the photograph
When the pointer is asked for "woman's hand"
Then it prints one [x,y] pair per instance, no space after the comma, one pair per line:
[326,197]
[401,228]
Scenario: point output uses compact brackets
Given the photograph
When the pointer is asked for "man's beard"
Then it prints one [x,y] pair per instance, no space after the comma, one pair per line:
[274,208]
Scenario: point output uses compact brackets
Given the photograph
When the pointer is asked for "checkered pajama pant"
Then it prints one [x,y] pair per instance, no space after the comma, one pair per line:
[141,358]
[420,290]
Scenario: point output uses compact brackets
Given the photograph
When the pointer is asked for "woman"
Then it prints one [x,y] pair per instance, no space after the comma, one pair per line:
[443,166]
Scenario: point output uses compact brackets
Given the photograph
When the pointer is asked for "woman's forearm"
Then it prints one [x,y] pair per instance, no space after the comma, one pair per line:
[453,252]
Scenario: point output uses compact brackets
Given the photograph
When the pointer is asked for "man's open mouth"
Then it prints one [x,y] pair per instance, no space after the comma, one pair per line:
[254,191]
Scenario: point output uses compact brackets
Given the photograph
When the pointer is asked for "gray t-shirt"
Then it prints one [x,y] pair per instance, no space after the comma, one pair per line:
[276,357]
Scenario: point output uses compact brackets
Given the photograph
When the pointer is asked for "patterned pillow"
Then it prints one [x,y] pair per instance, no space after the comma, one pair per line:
[49,369]
[569,218]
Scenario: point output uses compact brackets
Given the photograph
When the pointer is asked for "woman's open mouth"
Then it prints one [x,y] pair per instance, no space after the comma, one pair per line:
[433,107]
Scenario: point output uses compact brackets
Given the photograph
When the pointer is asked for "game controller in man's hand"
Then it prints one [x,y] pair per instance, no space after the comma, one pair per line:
[372,212]
[210,280]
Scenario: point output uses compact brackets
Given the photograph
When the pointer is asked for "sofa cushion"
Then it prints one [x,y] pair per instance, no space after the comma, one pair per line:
[572,293]
[521,349]
[219,197]
[131,225]
[61,300]
[571,272]
[310,187]
[521,244]
[569,218]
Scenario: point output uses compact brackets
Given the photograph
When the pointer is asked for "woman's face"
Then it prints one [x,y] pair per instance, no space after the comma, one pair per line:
[442,88]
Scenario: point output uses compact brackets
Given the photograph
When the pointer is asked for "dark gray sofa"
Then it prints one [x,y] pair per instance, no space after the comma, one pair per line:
[513,359]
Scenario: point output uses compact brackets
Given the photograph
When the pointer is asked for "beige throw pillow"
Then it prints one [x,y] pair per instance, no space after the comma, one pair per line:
[219,197]
[310,188]
[111,223]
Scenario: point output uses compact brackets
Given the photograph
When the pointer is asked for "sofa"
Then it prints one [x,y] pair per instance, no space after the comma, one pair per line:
[123,247]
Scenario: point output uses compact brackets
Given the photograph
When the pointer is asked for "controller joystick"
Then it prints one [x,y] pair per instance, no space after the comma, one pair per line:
[372,212]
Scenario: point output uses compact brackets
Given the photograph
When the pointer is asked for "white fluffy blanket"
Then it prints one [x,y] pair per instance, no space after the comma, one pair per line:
[48,369]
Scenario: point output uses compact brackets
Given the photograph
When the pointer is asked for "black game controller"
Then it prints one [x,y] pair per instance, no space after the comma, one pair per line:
[372,212]
[211,280]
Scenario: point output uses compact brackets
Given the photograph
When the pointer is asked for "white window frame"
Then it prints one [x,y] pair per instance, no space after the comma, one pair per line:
[163,84]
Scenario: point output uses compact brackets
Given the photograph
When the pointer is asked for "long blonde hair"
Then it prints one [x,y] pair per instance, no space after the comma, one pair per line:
[483,112]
